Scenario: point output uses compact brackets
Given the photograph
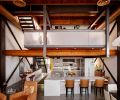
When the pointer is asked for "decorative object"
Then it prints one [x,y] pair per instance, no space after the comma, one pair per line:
[19,3]
[99,71]
[103,2]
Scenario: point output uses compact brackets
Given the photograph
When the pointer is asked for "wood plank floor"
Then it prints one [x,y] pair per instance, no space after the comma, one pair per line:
[91,96]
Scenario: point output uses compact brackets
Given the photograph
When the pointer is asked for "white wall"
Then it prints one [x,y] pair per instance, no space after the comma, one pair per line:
[11,62]
[111,62]
[89,67]
[112,65]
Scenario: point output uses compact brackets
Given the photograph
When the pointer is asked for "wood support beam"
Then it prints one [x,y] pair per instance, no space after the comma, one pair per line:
[9,16]
[112,17]
[69,22]
[39,13]
[58,53]
[96,20]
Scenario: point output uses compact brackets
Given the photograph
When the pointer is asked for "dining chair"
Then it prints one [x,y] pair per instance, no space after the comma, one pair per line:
[84,84]
[113,98]
[99,84]
[106,95]
[69,84]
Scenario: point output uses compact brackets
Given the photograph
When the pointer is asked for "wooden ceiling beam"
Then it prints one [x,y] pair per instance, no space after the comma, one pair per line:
[58,14]
[68,22]
[9,16]
[112,17]
[59,52]
[73,14]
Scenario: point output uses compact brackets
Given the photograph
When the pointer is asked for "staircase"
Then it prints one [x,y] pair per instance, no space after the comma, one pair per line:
[26,22]
[41,64]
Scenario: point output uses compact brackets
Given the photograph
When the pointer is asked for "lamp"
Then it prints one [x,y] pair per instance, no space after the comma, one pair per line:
[19,3]
[103,2]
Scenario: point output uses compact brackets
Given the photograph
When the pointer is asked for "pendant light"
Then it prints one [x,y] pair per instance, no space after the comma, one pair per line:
[19,3]
[103,2]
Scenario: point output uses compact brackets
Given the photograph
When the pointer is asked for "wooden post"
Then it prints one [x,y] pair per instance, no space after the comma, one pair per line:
[2,57]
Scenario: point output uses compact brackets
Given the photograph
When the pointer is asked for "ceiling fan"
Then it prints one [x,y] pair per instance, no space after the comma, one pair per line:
[19,3]
[103,2]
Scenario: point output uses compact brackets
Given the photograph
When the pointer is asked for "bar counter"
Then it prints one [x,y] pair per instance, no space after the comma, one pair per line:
[54,85]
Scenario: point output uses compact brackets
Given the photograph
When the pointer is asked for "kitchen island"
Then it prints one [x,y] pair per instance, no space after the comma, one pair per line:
[54,84]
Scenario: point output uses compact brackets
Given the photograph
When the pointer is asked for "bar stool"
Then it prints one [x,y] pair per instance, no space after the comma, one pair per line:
[69,84]
[99,84]
[84,84]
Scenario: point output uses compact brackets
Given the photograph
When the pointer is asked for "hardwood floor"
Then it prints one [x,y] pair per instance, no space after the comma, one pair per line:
[91,96]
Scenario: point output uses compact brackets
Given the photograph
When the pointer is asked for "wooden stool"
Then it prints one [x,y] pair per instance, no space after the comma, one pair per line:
[84,84]
[69,84]
[99,84]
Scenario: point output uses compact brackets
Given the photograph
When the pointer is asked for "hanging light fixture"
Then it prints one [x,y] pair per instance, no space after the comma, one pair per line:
[19,3]
[103,2]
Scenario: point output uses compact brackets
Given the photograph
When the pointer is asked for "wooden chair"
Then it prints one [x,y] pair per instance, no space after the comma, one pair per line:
[69,84]
[99,84]
[113,98]
[29,93]
[84,84]
[2,96]
[106,95]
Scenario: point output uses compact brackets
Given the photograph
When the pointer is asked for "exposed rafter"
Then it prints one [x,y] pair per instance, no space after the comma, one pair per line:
[9,16]
[112,17]
[96,20]
[69,22]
